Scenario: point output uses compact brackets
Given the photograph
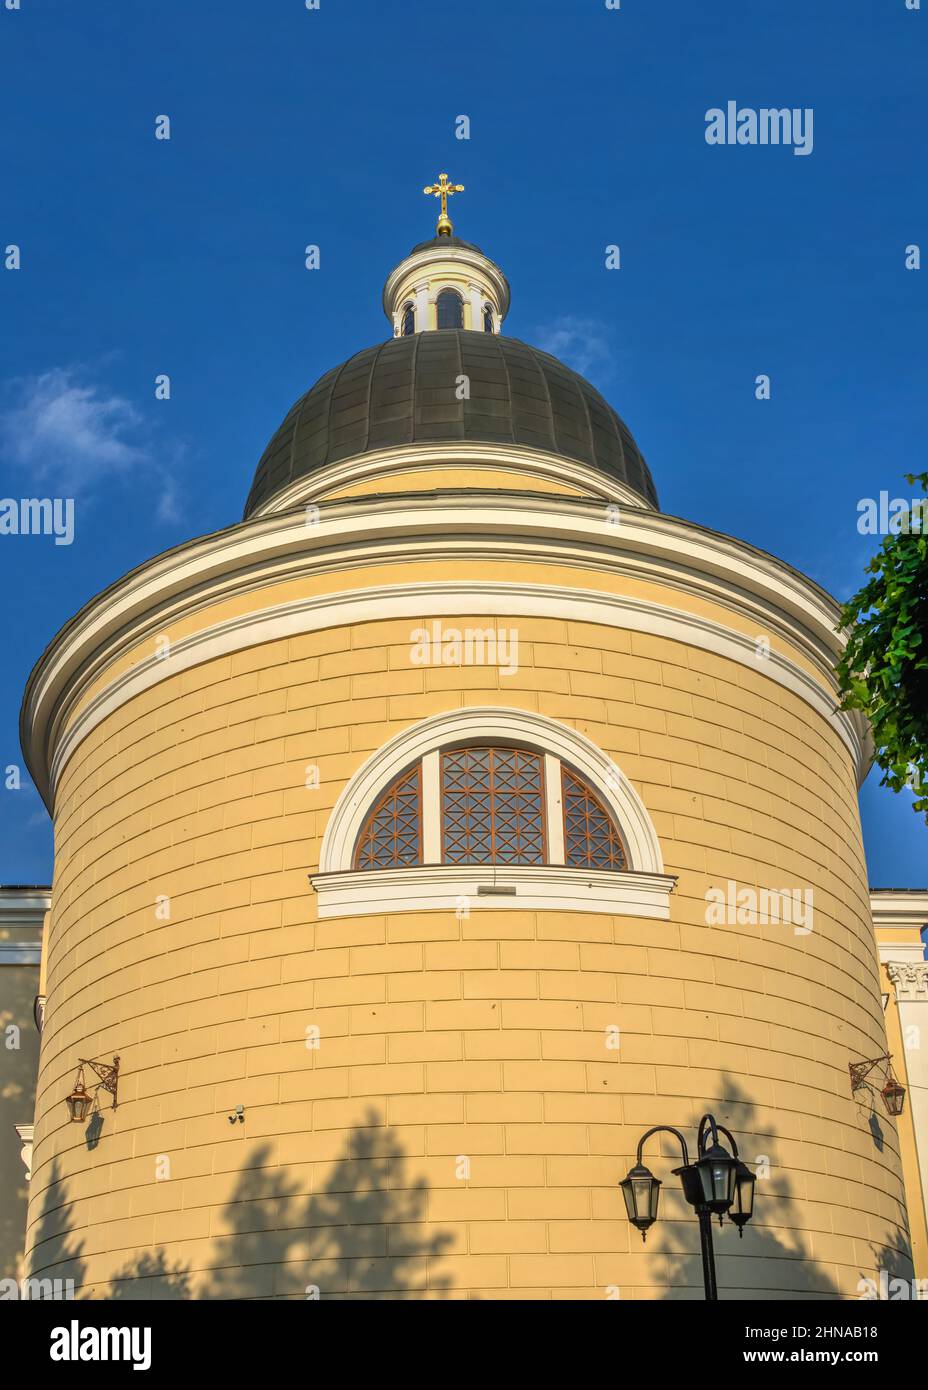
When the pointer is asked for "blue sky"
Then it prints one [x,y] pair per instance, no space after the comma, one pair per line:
[587,128]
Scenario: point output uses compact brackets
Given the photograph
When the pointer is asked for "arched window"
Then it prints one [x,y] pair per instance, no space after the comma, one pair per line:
[490,807]
[450,309]
[487,319]
[494,804]
[409,320]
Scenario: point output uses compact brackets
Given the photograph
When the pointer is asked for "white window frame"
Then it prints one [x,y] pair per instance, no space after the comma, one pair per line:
[642,890]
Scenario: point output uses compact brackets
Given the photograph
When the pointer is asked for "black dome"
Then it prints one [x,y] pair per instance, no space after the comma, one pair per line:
[404,392]
[440,242]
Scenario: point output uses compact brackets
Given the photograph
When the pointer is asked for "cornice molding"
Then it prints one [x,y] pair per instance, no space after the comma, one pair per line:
[352,535]
[24,907]
[478,458]
[899,908]
[463,888]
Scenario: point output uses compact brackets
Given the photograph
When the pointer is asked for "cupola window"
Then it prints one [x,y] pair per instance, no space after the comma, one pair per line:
[450,309]
[409,321]
[487,319]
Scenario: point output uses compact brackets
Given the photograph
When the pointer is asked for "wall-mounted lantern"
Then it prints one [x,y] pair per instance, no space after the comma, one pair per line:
[893,1092]
[81,1101]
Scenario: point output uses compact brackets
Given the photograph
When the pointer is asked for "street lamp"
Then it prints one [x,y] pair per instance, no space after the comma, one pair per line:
[718,1182]
[641,1190]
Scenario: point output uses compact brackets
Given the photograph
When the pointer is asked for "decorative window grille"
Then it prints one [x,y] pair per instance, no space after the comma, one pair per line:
[392,834]
[591,840]
[492,806]
[492,803]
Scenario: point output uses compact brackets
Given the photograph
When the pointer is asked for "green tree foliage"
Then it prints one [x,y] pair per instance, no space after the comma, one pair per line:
[884,669]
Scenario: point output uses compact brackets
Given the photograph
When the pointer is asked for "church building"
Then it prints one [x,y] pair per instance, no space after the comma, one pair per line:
[429,836]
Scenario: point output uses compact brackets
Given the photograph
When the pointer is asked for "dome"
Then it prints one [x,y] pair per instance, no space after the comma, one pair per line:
[404,391]
[440,243]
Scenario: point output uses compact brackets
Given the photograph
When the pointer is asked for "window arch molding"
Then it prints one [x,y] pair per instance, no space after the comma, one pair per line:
[490,724]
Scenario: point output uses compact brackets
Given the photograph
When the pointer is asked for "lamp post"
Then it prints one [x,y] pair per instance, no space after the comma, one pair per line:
[718,1182]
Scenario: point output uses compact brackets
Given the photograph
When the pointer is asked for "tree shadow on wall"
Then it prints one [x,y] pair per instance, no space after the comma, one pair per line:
[55,1251]
[891,1277]
[362,1235]
[775,1257]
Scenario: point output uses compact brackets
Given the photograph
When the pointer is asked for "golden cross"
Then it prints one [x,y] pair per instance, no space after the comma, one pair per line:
[443,189]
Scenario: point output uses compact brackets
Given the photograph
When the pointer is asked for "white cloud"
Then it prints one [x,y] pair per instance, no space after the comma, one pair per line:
[68,431]
[168,507]
[582,343]
[71,434]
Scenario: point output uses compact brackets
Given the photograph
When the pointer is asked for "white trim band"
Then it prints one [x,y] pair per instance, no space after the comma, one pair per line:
[457,888]
[446,600]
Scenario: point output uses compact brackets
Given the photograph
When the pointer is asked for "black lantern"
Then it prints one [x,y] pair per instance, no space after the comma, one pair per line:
[80,1101]
[717,1171]
[641,1190]
[893,1096]
[742,1208]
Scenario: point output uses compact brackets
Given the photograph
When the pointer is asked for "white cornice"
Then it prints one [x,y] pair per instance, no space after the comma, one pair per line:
[24,907]
[355,533]
[480,459]
[899,907]
[462,888]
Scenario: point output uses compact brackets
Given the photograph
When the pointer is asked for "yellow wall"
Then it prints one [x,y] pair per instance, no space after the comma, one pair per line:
[19,1049]
[915,1196]
[440,1039]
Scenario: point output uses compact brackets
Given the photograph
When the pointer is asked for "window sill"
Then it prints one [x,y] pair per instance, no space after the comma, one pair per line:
[463,888]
